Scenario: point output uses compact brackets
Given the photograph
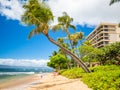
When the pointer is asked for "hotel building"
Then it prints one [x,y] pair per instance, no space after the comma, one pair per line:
[105,33]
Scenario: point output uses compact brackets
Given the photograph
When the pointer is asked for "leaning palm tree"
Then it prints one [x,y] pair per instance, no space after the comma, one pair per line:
[113,1]
[39,14]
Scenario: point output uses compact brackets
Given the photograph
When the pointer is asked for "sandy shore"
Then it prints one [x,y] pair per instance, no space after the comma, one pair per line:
[47,82]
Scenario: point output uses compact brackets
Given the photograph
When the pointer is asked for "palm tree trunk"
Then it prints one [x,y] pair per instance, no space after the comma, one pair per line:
[74,63]
[80,62]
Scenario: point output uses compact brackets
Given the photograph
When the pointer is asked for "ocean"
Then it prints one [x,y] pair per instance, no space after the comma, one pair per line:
[10,72]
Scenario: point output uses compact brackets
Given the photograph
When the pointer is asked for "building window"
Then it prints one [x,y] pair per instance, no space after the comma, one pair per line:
[105,29]
[105,34]
[105,26]
[106,42]
[106,38]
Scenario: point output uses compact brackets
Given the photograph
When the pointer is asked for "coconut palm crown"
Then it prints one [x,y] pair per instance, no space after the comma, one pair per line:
[64,22]
[39,15]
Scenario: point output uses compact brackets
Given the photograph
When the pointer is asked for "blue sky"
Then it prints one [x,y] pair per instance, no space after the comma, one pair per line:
[14,43]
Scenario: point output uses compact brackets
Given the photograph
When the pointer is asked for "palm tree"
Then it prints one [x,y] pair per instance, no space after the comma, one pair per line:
[113,1]
[75,38]
[79,36]
[88,42]
[64,22]
[40,15]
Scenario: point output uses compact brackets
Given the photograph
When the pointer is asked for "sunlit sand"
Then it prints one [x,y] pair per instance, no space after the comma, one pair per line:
[46,82]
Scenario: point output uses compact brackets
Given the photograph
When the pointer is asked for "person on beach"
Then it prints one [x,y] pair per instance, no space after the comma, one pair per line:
[54,73]
[41,76]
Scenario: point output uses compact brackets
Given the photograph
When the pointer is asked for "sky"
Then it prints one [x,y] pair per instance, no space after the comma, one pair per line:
[16,48]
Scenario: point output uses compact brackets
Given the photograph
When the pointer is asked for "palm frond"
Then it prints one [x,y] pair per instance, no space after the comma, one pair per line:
[88,42]
[36,13]
[113,1]
[34,32]
[80,35]
[56,27]
[60,40]
[72,26]
[31,34]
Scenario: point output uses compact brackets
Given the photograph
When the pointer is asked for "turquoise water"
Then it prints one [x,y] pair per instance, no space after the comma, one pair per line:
[13,72]
[4,78]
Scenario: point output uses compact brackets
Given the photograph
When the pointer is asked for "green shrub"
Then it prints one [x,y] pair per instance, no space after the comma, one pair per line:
[102,77]
[73,73]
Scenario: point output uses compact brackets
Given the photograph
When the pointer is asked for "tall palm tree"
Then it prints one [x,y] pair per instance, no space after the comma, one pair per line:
[75,38]
[113,1]
[64,22]
[40,15]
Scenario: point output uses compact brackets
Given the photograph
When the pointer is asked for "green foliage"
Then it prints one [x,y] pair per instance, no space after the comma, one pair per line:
[36,13]
[105,68]
[111,53]
[88,42]
[73,73]
[74,38]
[88,53]
[102,77]
[64,22]
[58,61]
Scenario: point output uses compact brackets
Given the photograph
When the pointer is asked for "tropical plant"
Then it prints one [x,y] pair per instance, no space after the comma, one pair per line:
[111,53]
[102,77]
[113,1]
[64,23]
[74,38]
[59,61]
[88,53]
[88,42]
[39,14]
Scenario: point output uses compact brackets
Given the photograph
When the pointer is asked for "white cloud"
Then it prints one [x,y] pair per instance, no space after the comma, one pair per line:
[90,12]
[12,9]
[23,62]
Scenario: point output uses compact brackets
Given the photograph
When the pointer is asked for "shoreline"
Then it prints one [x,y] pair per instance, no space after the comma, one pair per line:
[46,82]
[19,82]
